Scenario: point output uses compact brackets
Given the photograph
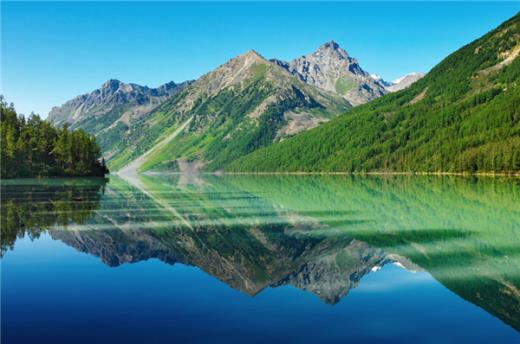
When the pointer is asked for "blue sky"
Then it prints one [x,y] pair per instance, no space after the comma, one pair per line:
[52,52]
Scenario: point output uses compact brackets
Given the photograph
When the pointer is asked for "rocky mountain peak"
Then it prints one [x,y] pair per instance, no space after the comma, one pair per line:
[253,54]
[332,69]
[404,81]
[233,72]
[245,59]
[111,85]
[333,49]
[378,78]
[412,75]
[330,45]
[112,93]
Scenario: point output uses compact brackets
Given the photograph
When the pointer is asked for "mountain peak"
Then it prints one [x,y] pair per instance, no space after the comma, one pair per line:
[111,83]
[332,48]
[332,69]
[414,75]
[404,81]
[252,52]
[248,58]
[252,55]
[112,93]
[330,45]
[111,86]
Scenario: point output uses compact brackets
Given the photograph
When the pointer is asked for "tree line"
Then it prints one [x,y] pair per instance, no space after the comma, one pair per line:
[32,147]
[463,116]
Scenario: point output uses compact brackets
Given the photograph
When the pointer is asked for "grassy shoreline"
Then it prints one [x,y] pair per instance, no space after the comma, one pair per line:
[374,173]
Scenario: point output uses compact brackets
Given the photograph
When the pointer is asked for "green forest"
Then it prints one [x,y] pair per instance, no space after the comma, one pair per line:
[463,116]
[32,147]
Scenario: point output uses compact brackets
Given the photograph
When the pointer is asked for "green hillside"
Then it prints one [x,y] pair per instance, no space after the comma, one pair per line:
[243,105]
[464,116]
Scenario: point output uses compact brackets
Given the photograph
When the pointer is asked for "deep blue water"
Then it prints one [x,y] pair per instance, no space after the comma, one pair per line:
[243,265]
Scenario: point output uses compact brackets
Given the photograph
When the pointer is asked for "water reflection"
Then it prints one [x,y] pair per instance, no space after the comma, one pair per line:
[319,234]
[29,207]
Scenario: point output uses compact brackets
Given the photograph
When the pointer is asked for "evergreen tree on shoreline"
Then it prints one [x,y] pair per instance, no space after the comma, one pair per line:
[32,147]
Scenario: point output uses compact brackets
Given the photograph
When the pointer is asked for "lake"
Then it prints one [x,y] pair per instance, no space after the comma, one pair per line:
[256,259]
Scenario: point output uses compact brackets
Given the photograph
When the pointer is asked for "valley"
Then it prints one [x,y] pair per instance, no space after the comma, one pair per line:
[245,104]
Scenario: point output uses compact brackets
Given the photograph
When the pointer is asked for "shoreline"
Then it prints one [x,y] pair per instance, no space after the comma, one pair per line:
[460,174]
[221,173]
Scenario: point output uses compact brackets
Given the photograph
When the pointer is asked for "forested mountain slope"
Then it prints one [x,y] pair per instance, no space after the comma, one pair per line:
[246,103]
[463,116]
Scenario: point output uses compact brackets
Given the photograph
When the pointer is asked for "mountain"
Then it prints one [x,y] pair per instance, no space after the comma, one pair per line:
[403,82]
[246,103]
[463,116]
[332,69]
[400,83]
[380,80]
[242,105]
[114,102]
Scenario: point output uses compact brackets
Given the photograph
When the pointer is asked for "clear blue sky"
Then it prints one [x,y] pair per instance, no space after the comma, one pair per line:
[52,52]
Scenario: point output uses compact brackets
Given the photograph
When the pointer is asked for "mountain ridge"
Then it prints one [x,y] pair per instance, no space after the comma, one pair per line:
[245,103]
[404,82]
[463,116]
[112,93]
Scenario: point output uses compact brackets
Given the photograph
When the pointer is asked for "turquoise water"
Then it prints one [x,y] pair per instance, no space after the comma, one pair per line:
[172,258]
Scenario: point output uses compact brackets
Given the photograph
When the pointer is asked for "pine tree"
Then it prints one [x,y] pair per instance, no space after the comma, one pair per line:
[32,147]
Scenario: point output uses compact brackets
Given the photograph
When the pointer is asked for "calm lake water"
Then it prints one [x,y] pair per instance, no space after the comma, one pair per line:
[257,259]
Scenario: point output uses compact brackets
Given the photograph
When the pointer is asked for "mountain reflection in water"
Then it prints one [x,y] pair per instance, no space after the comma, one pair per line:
[319,234]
